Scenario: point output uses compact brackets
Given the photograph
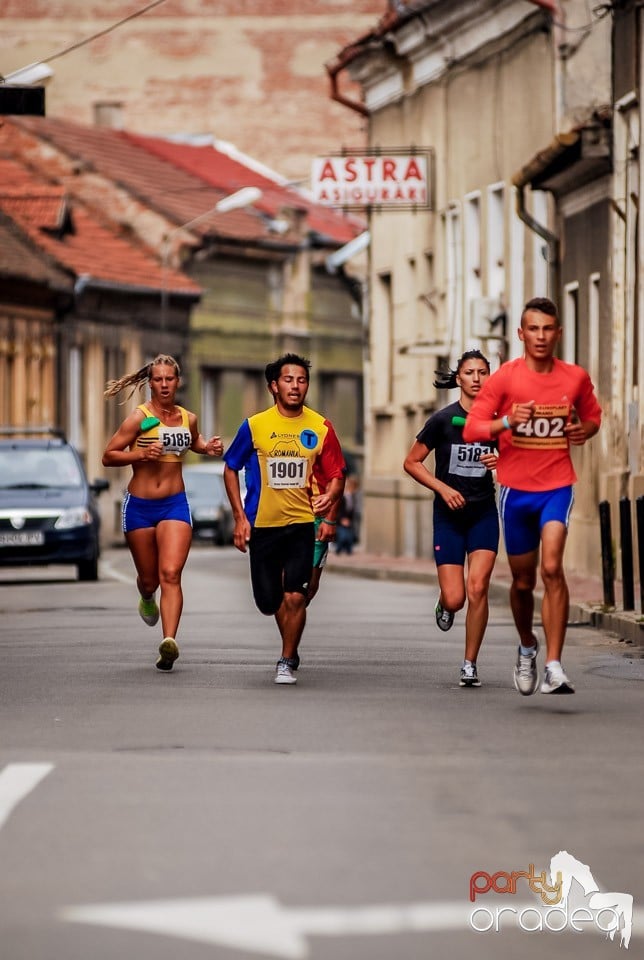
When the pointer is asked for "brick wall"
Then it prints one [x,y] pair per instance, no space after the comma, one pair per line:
[247,71]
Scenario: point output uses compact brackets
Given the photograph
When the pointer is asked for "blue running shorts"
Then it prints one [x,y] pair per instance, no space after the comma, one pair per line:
[523,514]
[457,533]
[141,512]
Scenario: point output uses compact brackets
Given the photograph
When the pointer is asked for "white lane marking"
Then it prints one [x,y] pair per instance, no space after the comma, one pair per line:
[259,923]
[16,781]
[107,570]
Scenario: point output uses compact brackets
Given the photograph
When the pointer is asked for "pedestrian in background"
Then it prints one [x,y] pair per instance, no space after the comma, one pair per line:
[153,440]
[346,519]
[537,406]
[466,523]
[282,450]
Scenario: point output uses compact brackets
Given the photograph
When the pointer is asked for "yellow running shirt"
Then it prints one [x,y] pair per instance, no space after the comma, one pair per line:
[282,456]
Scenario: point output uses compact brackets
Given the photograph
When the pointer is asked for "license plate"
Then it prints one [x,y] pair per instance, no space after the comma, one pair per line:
[25,538]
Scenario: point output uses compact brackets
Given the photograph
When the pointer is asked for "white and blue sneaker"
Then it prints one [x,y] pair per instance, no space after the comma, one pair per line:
[555,680]
[285,673]
[444,618]
[526,675]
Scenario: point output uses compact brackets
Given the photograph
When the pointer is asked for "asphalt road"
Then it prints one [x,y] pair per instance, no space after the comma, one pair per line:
[208,813]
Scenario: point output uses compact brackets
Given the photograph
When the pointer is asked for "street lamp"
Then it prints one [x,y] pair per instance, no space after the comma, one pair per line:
[241,198]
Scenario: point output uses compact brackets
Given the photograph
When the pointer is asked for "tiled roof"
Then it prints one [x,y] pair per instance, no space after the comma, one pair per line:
[175,193]
[73,239]
[20,262]
[182,181]
[227,173]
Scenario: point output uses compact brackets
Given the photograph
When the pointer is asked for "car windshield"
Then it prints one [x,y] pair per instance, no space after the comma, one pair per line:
[205,486]
[25,468]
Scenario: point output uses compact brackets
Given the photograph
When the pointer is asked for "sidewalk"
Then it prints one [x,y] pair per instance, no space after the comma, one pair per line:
[586,593]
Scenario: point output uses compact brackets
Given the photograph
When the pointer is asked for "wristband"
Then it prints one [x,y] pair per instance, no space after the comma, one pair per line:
[506,422]
[332,523]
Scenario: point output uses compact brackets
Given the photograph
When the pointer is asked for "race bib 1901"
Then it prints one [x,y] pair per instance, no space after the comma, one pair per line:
[286,472]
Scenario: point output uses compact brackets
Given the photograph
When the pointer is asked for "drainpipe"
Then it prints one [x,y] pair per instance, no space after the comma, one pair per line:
[551,239]
[520,181]
[334,70]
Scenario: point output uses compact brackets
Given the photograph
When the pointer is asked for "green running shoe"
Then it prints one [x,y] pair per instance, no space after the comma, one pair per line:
[149,611]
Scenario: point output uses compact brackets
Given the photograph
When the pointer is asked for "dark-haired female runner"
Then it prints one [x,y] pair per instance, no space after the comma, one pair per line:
[466,522]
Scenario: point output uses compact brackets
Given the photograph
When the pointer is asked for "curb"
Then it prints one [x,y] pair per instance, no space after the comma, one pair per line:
[625,625]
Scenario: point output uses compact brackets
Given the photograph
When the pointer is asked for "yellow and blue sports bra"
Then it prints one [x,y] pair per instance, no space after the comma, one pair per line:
[176,440]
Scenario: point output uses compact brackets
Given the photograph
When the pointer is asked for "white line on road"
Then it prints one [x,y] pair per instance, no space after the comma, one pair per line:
[260,924]
[108,570]
[16,781]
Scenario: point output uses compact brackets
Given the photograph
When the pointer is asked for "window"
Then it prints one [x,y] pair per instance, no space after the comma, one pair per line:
[570,322]
[382,341]
[517,277]
[473,282]
[496,243]
[228,397]
[593,327]
[454,271]
[341,402]
[75,397]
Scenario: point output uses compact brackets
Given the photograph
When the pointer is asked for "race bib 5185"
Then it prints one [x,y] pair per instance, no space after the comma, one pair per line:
[175,439]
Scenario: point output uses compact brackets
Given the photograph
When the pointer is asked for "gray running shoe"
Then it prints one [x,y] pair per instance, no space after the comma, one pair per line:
[285,672]
[444,619]
[168,653]
[526,676]
[469,676]
[555,680]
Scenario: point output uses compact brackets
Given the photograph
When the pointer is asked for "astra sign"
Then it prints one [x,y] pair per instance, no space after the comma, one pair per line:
[393,179]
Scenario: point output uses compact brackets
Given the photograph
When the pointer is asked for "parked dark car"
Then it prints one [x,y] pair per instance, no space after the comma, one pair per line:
[48,511]
[212,517]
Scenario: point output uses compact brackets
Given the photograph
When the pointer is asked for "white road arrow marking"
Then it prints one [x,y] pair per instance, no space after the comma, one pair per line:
[16,781]
[260,924]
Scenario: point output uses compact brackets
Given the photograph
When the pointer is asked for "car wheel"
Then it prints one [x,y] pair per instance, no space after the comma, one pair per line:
[88,569]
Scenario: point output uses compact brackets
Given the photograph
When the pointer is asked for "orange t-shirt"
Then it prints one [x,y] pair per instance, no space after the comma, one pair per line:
[534,456]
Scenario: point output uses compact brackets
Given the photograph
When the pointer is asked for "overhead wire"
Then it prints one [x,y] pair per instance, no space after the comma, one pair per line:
[96,36]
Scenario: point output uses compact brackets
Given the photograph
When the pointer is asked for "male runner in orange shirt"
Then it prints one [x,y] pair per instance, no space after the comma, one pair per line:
[537,406]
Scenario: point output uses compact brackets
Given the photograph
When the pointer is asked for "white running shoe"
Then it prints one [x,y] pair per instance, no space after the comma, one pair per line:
[555,680]
[526,676]
[285,672]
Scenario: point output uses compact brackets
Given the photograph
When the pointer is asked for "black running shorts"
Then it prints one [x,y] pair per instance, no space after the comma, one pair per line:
[281,561]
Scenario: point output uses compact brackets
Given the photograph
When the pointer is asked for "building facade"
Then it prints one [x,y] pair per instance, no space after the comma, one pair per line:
[515,101]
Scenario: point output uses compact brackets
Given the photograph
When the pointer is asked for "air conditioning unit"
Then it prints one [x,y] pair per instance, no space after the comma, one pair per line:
[483,311]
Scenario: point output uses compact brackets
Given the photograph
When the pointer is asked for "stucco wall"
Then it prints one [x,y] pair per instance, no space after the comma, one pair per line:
[251,71]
